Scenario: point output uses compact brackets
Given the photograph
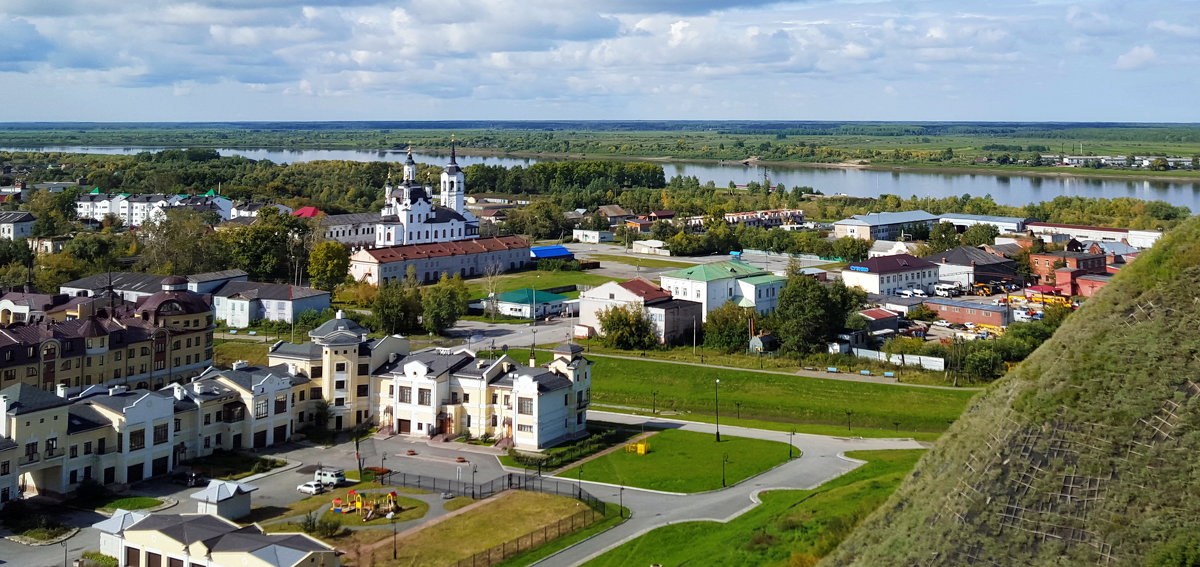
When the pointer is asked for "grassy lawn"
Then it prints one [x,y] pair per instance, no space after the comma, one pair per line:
[640,261]
[131,503]
[809,405]
[791,527]
[458,502]
[510,516]
[613,516]
[225,353]
[684,461]
[230,465]
[537,279]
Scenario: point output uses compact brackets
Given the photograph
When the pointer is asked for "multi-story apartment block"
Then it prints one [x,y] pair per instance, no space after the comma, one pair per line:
[451,392]
[340,361]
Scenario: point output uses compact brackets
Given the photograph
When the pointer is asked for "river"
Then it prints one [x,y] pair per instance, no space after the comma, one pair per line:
[1005,189]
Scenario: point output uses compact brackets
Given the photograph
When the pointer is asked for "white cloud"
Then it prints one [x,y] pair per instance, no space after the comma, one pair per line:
[1175,29]
[1139,57]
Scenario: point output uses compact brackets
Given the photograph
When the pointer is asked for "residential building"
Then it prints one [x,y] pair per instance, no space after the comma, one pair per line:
[968,265]
[639,225]
[891,248]
[205,540]
[160,338]
[243,407]
[712,285]
[137,209]
[1136,238]
[340,360]
[676,321]
[466,257]
[661,215]
[881,319]
[1006,225]
[241,303]
[592,236]
[356,230]
[251,209]
[637,293]
[410,217]
[615,214]
[1114,252]
[444,392]
[769,218]
[16,224]
[889,275]
[133,285]
[963,312]
[1043,264]
[529,303]
[884,226]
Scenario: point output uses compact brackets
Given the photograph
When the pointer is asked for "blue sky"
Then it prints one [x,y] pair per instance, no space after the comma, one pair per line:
[135,60]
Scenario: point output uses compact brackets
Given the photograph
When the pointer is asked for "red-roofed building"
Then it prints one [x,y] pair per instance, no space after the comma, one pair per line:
[469,258]
[307,212]
[881,319]
[674,320]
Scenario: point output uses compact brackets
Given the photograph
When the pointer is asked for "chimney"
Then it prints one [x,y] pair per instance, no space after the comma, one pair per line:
[114,390]
[292,369]
[240,364]
[178,391]
[340,314]
[943,259]
[61,391]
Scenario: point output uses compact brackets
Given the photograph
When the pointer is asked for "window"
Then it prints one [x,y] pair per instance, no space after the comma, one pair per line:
[260,408]
[525,428]
[137,440]
[208,442]
[87,447]
[302,395]
[363,390]
[466,398]
[316,372]
[74,451]
[178,425]
[363,370]
[207,418]
[280,403]
[339,401]
[495,420]
[314,393]
[525,406]
[339,367]
[5,468]
[160,434]
[339,385]
[405,395]
[423,397]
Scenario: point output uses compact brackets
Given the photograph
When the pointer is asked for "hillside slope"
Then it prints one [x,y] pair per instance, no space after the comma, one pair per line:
[1088,453]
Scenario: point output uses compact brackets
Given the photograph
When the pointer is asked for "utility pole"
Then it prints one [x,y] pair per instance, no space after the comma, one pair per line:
[717,407]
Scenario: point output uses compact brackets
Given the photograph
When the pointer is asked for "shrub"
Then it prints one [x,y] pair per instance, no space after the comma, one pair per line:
[309,523]
[328,528]
[90,490]
[100,559]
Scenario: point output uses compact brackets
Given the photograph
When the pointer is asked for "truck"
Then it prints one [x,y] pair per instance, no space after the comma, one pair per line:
[330,476]
[946,290]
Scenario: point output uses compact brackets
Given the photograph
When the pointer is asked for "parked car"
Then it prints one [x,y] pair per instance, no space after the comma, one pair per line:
[919,293]
[942,323]
[189,479]
[330,477]
[311,487]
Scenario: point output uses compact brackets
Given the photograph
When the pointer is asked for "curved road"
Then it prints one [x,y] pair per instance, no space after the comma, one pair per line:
[822,460]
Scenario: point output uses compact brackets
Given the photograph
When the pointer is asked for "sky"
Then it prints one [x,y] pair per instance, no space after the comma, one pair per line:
[208,60]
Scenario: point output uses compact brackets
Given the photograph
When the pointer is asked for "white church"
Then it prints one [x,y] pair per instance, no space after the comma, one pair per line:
[409,215]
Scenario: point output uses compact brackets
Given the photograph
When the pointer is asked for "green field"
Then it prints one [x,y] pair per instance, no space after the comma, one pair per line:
[537,279]
[790,527]
[226,352]
[640,261]
[811,405]
[684,461]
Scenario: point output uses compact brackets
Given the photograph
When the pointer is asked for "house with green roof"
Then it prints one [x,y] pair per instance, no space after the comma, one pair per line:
[529,303]
[712,285]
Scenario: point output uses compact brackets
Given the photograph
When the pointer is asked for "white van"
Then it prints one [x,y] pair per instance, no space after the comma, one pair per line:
[946,290]
[330,477]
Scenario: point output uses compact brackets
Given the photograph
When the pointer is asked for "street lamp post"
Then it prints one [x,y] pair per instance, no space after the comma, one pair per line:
[848,414]
[579,479]
[382,460]
[724,460]
[791,435]
[474,469]
[622,501]
[654,402]
[717,407]
[393,535]
[64,544]
[739,409]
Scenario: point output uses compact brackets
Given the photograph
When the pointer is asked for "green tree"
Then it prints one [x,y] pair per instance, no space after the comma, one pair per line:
[852,249]
[54,212]
[398,304]
[943,237]
[728,328]
[980,234]
[443,303]
[984,364]
[328,264]
[811,313]
[181,243]
[627,328]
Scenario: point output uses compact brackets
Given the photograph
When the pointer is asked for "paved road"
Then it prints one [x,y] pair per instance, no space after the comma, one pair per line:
[822,460]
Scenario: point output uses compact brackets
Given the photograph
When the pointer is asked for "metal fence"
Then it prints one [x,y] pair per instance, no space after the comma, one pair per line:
[533,539]
[508,481]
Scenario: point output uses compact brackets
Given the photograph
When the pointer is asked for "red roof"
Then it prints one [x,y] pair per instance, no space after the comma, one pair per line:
[877,314]
[440,249]
[642,288]
[307,212]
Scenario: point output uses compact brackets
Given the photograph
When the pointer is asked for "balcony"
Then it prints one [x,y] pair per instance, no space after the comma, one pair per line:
[582,405]
[52,453]
[28,459]
[453,402]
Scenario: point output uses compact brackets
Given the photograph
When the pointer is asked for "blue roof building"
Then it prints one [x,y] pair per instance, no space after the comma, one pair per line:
[551,253]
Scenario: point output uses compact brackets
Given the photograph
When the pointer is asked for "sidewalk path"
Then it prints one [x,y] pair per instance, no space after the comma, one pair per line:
[805,373]
[822,459]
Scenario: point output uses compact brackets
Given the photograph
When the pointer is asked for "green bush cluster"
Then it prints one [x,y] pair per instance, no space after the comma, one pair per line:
[554,460]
